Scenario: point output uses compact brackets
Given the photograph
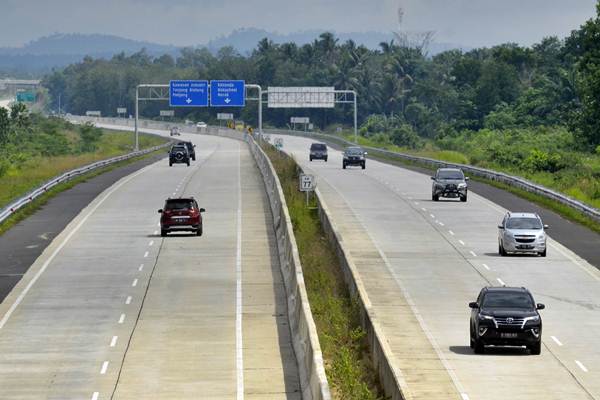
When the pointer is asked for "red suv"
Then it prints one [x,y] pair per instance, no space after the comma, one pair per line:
[181,214]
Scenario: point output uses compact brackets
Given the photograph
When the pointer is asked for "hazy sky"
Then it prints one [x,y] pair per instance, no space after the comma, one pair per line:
[188,22]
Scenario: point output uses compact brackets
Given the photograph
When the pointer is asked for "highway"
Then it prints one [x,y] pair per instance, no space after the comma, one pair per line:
[422,262]
[112,310]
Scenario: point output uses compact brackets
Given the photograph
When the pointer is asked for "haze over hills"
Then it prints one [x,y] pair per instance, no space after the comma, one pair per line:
[59,50]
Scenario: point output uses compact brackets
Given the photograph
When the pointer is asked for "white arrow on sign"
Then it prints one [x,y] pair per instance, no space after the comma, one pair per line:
[188,101]
[228,100]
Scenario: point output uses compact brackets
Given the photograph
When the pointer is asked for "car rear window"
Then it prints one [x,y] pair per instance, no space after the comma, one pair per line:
[523,223]
[179,204]
[507,300]
[318,147]
[450,175]
[178,148]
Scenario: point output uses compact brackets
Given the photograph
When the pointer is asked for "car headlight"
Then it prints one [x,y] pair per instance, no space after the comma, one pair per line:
[542,237]
[484,317]
[462,185]
[534,319]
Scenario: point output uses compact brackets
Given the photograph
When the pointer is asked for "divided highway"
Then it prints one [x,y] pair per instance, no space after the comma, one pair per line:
[111,310]
[422,262]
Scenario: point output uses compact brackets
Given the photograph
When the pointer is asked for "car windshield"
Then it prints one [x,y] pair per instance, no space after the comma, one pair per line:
[354,150]
[507,300]
[523,223]
[318,147]
[453,174]
[179,204]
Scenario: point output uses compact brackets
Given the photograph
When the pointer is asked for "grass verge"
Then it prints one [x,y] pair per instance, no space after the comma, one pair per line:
[36,204]
[348,363]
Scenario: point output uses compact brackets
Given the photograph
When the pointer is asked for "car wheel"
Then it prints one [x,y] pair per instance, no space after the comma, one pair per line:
[199,231]
[325,159]
[344,165]
[478,347]
[463,198]
[471,338]
[501,250]
[163,233]
[435,197]
[364,165]
[188,163]
[170,164]
[310,159]
[536,349]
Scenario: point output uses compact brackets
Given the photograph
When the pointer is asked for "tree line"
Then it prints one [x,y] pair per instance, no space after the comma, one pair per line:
[402,92]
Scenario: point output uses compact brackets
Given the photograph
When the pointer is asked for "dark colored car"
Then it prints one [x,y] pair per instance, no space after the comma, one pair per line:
[180,215]
[318,151]
[179,155]
[449,182]
[506,316]
[354,155]
[190,148]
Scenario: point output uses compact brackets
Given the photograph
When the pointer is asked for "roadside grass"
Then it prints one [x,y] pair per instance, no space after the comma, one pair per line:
[348,363]
[20,179]
[39,202]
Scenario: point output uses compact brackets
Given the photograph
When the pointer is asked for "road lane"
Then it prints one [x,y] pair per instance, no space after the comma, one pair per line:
[436,252]
[120,309]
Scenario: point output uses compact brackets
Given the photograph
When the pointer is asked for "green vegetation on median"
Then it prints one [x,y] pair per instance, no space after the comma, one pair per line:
[34,149]
[343,341]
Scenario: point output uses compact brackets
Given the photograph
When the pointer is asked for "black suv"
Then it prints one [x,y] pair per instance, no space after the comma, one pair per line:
[190,148]
[449,182]
[179,155]
[354,155]
[318,151]
[506,316]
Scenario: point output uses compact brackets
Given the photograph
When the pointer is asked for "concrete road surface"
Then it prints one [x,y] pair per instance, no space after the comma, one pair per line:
[422,262]
[112,310]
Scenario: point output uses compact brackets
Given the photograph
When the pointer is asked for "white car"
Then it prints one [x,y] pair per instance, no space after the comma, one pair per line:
[201,125]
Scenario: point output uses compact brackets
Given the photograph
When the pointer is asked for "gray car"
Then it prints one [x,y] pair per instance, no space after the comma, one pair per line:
[522,233]
[449,182]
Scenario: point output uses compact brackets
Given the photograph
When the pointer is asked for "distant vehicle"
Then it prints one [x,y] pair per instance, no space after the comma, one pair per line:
[179,215]
[179,155]
[190,148]
[522,233]
[175,131]
[318,151]
[201,126]
[449,182]
[188,122]
[505,316]
[354,155]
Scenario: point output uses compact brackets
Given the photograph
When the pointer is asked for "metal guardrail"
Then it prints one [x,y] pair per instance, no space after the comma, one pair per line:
[488,174]
[40,190]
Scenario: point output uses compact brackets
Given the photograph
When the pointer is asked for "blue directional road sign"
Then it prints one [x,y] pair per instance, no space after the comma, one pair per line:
[227,93]
[188,93]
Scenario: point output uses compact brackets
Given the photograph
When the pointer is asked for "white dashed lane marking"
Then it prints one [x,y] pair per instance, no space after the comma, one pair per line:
[558,342]
[450,232]
[104,368]
[141,267]
[134,283]
[500,281]
[128,301]
[461,242]
[113,341]
[581,366]
[146,254]
[151,243]
[486,266]
[472,253]
[122,318]
[95,396]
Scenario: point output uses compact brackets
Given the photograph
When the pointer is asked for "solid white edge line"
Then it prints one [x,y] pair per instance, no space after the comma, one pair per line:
[500,281]
[19,299]
[239,351]
[580,365]
[122,318]
[95,395]
[113,341]
[104,368]
[558,342]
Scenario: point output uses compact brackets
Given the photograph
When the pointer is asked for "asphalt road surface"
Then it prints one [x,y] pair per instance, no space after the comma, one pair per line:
[422,262]
[112,310]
